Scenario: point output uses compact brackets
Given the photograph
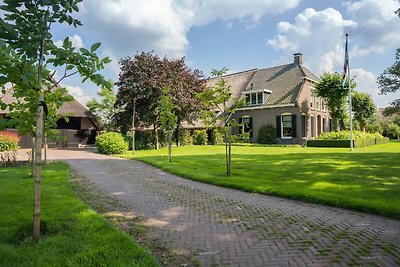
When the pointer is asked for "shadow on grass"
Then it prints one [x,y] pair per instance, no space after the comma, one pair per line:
[361,181]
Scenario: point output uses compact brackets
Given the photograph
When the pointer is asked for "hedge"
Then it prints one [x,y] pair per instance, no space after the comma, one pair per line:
[346,143]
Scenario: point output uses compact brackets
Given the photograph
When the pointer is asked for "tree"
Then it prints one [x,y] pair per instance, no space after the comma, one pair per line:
[104,109]
[331,88]
[217,99]
[27,50]
[389,81]
[142,79]
[168,119]
[364,108]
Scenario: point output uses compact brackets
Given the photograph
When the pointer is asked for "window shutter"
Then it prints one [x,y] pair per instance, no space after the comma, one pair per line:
[278,126]
[294,126]
[240,125]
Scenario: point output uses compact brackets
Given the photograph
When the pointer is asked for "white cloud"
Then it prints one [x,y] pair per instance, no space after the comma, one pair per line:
[316,34]
[78,94]
[128,26]
[366,82]
[75,39]
[378,27]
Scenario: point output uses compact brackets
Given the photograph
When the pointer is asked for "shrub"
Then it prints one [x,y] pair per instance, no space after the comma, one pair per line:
[185,138]
[8,141]
[267,134]
[241,138]
[216,136]
[200,137]
[143,140]
[111,143]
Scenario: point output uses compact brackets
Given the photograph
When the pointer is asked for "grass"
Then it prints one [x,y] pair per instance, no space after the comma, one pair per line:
[366,180]
[72,233]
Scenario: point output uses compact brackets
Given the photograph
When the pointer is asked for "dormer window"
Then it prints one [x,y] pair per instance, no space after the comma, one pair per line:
[256,97]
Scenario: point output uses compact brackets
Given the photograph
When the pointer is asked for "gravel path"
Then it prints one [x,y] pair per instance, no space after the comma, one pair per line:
[225,227]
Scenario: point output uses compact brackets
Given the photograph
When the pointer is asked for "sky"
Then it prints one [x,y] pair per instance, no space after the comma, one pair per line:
[242,35]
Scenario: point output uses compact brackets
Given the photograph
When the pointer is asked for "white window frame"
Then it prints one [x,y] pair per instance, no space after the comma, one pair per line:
[312,102]
[286,114]
[318,103]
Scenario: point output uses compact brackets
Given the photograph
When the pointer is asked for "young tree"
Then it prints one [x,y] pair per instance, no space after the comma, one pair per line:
[168,119]
[331,88]
[27,49]
[215,99]
[103,108]
[389,81]
[364,108]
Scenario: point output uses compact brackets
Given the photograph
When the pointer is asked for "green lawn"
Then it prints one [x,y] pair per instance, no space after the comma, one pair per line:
[366,180]
[73,234]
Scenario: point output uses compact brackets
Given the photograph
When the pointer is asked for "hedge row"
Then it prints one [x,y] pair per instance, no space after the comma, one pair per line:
[346,143]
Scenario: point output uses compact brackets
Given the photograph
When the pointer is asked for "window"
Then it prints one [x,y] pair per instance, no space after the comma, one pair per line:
[318,104]
[323,105]
[312,124]
[303,125]
[287,130]
[246,125]
[312,102]
[323,124]
[259,98]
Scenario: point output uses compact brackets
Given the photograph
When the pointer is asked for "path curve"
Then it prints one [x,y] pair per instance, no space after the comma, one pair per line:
[228,227]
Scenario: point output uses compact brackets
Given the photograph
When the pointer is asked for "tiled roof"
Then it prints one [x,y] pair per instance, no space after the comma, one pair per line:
[283,81]
[238,81]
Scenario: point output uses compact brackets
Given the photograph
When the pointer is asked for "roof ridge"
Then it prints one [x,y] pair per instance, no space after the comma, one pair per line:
[235,73]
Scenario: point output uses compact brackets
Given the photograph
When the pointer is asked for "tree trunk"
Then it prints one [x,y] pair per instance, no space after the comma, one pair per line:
[335,124]
[33,156]
[156,134]
[170,145]
[45,149]
[38,146]
[229,170]
[133,126]
[177,133]
[37,170]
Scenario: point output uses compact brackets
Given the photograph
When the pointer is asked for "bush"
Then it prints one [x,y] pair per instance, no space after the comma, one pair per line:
[8,141]
[200,137]
[143,140]
[267,134]
[185,138]
[216,136]
[241,138]
[111,143]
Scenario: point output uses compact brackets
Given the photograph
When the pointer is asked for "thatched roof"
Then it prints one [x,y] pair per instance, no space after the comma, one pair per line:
[73,107]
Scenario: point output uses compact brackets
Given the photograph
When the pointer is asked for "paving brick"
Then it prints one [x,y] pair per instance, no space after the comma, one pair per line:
[238,228]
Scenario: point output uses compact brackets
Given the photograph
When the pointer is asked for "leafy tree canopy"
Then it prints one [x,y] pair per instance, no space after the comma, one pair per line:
[335,94]
[389,81]
[364,108]
[103,108]
[142,79]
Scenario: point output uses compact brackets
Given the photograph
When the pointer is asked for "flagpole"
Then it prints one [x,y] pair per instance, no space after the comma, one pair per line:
[350,105]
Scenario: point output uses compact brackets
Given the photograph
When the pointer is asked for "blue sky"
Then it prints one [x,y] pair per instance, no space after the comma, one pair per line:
[243,34]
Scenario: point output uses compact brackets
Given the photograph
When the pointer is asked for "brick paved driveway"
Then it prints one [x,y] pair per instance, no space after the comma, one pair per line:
[225,227]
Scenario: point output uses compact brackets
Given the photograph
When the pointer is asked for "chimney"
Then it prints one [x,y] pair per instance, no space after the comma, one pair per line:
[298,59]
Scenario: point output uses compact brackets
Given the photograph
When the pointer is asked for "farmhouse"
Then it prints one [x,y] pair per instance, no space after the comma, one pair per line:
[282,96]
[80,129]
